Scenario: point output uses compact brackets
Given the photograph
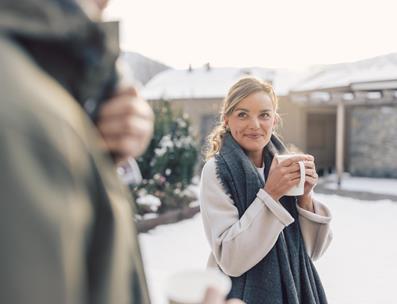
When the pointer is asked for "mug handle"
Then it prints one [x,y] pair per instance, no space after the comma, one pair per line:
[303,174]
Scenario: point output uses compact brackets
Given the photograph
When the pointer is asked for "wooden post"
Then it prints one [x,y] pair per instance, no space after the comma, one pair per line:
[340,132]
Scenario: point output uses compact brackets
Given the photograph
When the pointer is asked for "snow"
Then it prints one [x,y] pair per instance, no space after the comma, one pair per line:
[150,201]
[215,82]
[198,83]
[380,68]
[359,267]
[171,248]
[194,187]
[149,216]
[165,143]
[365,184]
[201,83]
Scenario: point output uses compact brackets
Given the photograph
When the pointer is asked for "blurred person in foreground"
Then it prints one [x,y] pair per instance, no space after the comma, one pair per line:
[265,241]
[67,232]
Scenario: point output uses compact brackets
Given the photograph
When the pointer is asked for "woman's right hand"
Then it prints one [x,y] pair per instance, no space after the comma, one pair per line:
[283,176]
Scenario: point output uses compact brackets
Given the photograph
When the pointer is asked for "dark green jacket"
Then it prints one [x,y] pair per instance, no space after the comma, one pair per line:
[66,226]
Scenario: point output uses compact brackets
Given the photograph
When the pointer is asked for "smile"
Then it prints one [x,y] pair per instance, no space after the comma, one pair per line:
[253,136]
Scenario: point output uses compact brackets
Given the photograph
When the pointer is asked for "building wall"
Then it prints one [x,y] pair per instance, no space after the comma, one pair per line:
[312,129]
[373,141]
[293,123]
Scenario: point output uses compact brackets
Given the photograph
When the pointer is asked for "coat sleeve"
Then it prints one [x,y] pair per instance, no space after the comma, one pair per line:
[238,244]
[316,230]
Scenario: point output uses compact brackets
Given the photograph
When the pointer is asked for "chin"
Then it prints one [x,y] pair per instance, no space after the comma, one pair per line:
[254,148]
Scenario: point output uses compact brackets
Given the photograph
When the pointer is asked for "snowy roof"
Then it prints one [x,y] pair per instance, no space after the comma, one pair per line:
[343,75]
[210,82]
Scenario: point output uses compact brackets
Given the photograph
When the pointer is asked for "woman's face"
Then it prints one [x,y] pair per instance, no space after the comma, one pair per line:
[251,123]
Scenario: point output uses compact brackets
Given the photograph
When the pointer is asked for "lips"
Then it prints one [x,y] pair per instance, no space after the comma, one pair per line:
[254,135]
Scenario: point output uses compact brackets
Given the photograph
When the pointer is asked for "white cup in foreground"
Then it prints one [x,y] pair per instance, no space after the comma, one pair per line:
[300,188]
[189,287]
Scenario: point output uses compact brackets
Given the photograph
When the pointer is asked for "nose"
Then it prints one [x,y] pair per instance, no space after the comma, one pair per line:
[254,123]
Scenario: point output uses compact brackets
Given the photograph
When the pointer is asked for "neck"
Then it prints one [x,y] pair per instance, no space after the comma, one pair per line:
[256,158]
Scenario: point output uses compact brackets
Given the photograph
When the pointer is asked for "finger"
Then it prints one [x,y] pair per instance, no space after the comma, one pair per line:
[129,145]
[309,157]
[311,180]
[288,172]
[294,177]
[309,165]
[124,126]
[127,90]
[125,105]
[311,173]
[293,159]
[126,146]
[294,167]
[118,105]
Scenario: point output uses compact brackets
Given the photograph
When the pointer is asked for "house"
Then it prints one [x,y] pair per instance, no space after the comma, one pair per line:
[199,92]
[142,68]
[346,114]
[343,114]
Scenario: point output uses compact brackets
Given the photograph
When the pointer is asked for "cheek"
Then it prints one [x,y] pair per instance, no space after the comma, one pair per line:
[235,133]
[268,125]
[236,128]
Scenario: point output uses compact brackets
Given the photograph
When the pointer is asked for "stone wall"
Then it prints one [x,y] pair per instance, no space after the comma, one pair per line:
[373,141]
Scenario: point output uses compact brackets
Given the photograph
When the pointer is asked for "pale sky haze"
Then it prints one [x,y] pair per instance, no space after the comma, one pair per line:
[279,33]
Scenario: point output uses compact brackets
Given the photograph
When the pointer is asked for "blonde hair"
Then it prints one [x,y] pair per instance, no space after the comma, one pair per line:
[240,90]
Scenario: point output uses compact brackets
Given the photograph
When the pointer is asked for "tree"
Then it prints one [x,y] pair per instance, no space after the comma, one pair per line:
[168,165]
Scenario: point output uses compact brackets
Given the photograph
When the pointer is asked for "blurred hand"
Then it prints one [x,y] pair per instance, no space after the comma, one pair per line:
[101,4]
[212,296]
[305,201]
[283,176]
[126,124]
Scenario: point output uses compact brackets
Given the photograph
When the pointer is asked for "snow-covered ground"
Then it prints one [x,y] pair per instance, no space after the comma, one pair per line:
[359,267]
[361,264]
[378,185]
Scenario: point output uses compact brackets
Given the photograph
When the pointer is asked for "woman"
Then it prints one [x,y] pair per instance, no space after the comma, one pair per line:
[263,240]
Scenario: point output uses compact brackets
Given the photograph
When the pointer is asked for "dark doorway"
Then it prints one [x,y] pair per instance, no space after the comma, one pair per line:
[321,140]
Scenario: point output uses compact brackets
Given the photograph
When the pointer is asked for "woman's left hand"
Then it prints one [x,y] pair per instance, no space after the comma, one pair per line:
[311,178]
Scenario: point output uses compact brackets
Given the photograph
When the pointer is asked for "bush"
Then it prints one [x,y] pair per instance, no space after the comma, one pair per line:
[167,166]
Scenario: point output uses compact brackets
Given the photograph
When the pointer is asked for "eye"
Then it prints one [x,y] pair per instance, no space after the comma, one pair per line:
[265,115]
[242,114]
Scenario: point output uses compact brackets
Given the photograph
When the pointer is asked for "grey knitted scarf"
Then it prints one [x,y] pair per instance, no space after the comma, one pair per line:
[286,275]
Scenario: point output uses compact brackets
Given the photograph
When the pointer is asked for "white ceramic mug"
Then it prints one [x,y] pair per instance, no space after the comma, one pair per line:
[300,188]
[189,287]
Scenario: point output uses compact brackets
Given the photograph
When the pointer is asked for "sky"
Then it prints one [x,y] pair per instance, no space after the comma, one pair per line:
[274,34]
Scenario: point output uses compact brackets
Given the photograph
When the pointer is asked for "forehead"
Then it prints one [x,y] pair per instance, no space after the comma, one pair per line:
[258,101]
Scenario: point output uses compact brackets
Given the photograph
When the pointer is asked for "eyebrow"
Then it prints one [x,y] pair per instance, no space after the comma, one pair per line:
[246,110]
